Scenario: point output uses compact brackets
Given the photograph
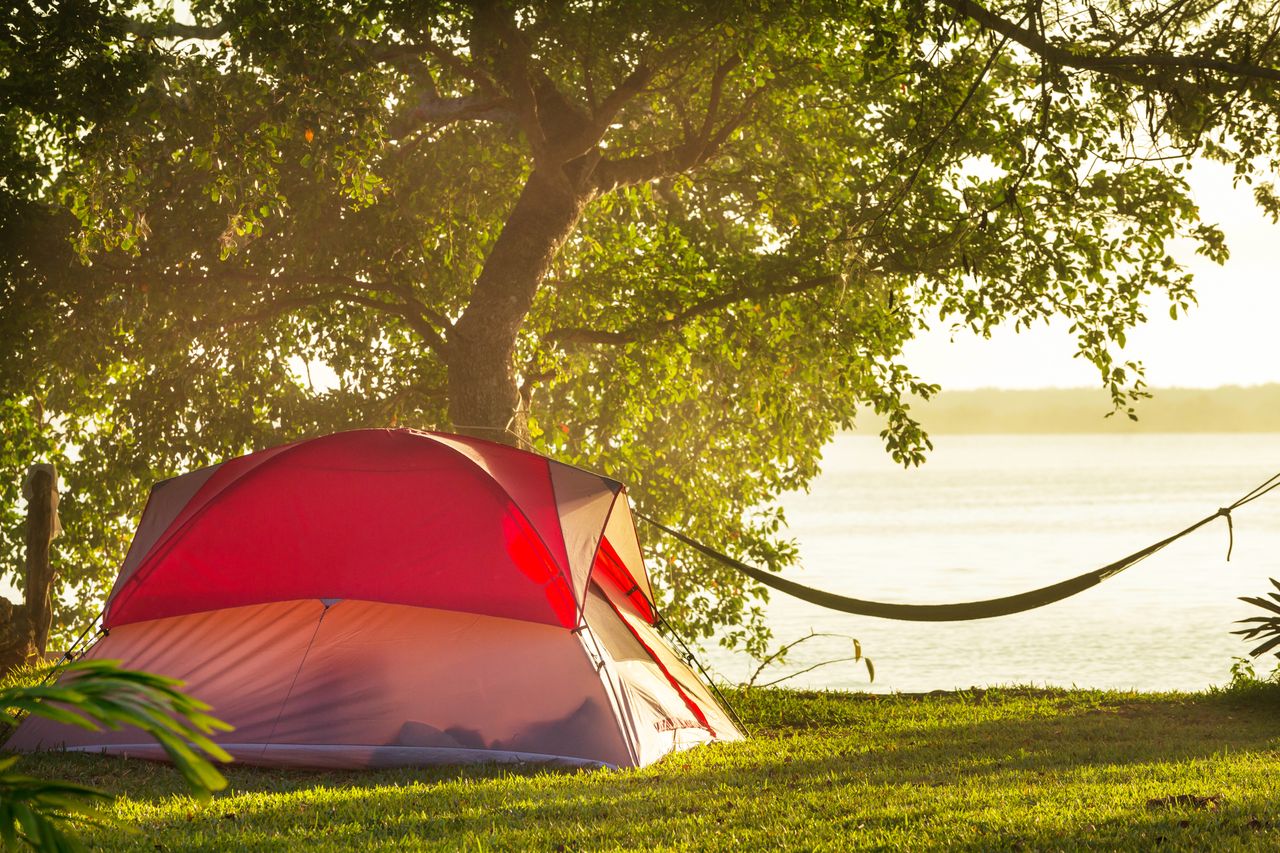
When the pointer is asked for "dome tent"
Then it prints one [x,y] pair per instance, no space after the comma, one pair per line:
[395,597]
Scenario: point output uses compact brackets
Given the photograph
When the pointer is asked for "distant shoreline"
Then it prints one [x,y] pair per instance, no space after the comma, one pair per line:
[1073,411]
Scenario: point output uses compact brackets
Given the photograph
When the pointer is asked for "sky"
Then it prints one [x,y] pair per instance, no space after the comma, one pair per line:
[1230,338]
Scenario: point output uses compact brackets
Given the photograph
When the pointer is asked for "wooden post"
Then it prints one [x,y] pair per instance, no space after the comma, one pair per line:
[42,526]
[24,628]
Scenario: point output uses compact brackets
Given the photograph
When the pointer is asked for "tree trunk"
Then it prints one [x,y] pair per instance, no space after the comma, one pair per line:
[24,628]
[484,399]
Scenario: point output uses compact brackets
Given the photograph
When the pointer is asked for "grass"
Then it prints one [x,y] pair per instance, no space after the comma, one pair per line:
[993,770]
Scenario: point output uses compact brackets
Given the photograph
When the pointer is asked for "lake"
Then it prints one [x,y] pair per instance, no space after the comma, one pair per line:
[992,515]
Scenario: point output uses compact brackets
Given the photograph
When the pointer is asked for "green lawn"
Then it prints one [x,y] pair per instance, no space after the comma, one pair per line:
[1011,769]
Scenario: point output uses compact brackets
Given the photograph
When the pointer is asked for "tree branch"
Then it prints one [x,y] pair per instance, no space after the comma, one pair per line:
[717,91]
[157,30]
[641,332]
[431,108]
[634,83]
[561,131]
[1116,64]
[925,152]
[612,174]
[482,80]
[279,307]
[408,56]
[630,86]
[512,61]
[428,324]
[421,319]
[437,111]
[585,140]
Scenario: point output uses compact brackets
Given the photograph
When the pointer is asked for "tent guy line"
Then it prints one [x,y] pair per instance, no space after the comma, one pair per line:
[963,611]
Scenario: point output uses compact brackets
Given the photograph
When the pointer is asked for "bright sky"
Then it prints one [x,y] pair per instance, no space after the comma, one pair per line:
[1231,338]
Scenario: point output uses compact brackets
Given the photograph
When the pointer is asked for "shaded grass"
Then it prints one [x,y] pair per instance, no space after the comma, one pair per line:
[991,770]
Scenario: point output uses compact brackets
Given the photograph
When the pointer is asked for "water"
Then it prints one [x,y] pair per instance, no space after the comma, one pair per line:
[993,515]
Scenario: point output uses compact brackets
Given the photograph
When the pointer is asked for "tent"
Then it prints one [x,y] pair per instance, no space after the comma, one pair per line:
[386,598]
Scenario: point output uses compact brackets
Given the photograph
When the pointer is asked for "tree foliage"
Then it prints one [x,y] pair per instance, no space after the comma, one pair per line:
[678,242]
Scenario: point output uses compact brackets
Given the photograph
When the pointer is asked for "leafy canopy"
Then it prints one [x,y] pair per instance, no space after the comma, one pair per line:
[760,204]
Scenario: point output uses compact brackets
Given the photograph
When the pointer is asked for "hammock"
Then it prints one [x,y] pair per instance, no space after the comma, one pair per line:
[962,611]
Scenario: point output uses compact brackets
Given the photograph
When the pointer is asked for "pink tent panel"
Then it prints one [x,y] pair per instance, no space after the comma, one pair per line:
[368,684]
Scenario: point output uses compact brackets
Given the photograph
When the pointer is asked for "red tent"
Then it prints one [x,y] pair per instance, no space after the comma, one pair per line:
[392,597]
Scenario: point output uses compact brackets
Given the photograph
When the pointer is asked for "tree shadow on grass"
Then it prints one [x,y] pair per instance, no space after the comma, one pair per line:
[1062,775]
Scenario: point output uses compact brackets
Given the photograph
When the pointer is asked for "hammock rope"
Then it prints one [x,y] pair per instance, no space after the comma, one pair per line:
[967,610]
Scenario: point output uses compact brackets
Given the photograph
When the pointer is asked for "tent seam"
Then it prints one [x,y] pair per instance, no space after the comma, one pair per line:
[555,502]
[644,570]
[294,683]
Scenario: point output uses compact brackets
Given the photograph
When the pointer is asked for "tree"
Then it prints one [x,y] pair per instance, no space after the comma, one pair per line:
[680,242]
[24,628]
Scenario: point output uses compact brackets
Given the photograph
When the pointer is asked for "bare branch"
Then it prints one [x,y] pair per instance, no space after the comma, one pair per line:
[807,669]
[1121,65]
[648,331]
[781,652]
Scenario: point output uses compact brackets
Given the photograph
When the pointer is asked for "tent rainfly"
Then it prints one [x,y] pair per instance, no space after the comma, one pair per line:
[387,598]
